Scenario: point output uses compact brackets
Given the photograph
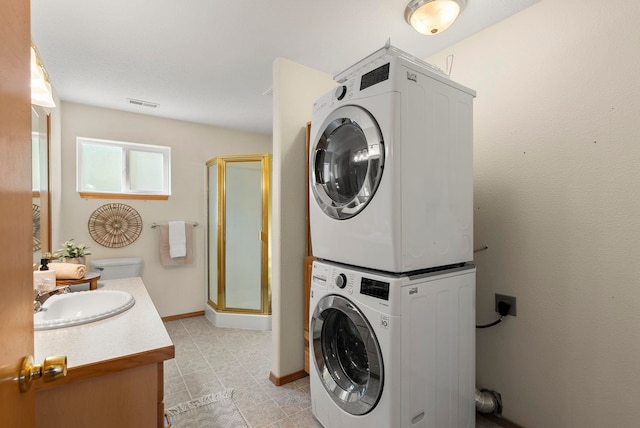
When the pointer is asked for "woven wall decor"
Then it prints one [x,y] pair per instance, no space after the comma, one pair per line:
[115,225]
[35,212]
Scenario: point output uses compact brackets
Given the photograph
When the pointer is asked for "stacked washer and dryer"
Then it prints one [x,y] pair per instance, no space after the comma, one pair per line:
[392,309]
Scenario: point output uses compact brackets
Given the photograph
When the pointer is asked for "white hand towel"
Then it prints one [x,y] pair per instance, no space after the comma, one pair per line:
[177,239]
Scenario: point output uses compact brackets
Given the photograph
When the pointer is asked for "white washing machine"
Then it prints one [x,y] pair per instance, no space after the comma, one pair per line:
[392,351]
[391,167]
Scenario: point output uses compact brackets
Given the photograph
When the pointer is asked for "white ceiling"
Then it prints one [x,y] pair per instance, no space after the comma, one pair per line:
[209,61]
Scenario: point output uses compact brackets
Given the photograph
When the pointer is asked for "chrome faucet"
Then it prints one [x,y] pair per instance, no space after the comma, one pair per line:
[39,297]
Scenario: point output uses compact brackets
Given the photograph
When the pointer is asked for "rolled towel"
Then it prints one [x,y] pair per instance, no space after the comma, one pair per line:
[68,270]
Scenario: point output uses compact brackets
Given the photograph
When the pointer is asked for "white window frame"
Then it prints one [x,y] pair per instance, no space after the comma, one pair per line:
[126,147]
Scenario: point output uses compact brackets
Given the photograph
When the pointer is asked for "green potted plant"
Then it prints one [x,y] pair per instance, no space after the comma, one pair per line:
[72,252]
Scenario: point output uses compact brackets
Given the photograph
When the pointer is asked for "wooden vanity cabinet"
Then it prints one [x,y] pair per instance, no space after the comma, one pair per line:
[115,375]
[128,392]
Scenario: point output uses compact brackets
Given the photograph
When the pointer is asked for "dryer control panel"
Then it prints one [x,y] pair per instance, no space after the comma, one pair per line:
[378,75]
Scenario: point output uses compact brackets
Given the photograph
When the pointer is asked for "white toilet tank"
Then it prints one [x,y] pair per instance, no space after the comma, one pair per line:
[126,267]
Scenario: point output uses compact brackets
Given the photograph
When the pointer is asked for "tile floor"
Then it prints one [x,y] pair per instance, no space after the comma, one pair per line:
[209,359]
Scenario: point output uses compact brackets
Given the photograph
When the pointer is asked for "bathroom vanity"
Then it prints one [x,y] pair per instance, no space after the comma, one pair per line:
[115,366]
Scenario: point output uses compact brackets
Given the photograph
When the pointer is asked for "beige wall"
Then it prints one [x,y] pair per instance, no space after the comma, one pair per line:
[175,289]
[295,88]
[557,173]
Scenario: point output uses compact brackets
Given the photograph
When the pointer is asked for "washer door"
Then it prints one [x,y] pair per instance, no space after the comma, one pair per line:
[347,355]
[347,162]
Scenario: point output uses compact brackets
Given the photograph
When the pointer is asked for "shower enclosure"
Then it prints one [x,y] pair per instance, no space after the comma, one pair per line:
[238,274]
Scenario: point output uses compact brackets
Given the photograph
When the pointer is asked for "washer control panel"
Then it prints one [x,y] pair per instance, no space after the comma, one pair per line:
[374,288]
[341,280]
[333,277]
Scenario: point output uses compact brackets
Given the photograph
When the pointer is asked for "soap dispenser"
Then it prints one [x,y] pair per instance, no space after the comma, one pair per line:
[45,278]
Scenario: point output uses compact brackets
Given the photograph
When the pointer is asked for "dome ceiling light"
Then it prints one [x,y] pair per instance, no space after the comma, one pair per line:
[41,93]
[431,17]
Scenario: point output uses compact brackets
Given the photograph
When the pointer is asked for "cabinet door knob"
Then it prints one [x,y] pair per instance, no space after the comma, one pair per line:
[53,368]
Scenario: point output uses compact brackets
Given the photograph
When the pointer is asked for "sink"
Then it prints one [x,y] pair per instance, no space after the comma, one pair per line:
[81,307]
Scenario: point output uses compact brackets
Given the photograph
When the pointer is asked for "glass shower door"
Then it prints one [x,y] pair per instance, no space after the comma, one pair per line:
[243,243]
[213,227]
[238,205]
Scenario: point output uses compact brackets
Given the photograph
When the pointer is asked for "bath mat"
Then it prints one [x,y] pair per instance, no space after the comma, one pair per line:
[210,411]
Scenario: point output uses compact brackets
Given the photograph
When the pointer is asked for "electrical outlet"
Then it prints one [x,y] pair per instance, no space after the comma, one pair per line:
[508,299]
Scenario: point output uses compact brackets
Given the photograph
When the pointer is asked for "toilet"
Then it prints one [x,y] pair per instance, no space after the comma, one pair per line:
[125,267]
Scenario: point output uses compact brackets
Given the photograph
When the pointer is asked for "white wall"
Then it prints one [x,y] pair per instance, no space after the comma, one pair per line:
[175,289]
[557,173]
[295,88]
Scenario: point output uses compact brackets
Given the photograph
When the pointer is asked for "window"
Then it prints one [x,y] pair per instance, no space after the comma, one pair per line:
[114,169]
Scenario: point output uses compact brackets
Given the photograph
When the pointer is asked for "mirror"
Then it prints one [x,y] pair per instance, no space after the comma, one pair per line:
[40,131]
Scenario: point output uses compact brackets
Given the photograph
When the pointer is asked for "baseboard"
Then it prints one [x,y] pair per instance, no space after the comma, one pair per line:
[182,316]
[506,423]
[279,381]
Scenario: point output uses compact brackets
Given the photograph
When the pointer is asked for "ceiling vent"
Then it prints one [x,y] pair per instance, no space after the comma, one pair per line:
[142,103]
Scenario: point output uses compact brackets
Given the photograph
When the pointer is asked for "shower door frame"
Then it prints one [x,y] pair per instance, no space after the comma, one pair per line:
[220,245]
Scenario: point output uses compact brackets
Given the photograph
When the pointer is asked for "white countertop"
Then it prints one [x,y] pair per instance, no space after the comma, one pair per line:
[137,330]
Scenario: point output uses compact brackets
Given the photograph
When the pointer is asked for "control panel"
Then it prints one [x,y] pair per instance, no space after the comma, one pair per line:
[374,288]
[378,75]
[341,280]
[334,278]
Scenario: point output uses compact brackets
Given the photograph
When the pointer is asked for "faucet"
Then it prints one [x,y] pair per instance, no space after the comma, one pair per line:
[39,297]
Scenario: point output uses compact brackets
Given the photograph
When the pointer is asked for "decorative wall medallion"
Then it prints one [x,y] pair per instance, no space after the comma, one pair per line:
[115,225]
[35,212]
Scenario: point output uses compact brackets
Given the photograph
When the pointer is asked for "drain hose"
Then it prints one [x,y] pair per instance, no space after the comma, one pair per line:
[488,401]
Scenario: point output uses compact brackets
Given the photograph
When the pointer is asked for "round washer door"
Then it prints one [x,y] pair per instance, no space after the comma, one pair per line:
[347,162]
[346,355]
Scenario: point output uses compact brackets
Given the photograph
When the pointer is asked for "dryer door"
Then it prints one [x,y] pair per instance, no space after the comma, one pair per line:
[347,355]
[346,162]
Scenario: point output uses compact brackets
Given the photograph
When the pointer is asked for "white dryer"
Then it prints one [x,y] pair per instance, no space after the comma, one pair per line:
[392,351]
[391,167]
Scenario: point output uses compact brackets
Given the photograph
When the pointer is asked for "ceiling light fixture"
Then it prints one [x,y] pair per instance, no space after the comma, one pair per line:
[41,93]
[431,17]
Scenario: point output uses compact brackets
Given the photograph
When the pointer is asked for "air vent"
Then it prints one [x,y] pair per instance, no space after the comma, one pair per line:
[142,103]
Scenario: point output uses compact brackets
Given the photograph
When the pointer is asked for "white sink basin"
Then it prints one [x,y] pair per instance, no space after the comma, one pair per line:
[81,307]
